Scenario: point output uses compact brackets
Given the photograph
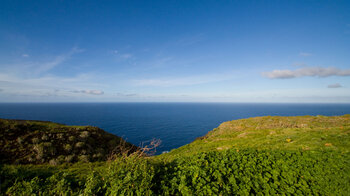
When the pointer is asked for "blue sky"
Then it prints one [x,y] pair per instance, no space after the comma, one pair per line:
[175,51]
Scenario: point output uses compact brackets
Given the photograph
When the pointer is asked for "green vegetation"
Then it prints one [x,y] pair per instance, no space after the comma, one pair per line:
[258,156]
[37,142]
[315,133]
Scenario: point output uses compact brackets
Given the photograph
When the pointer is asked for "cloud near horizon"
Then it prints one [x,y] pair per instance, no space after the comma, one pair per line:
[91,92]
[127,95]
[337,85]
[307,71]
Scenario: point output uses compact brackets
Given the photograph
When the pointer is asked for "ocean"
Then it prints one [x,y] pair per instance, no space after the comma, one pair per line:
[175,124]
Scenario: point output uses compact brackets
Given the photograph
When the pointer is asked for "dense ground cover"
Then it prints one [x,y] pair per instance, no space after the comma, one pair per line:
[37,142]
[226,172]
[260,156]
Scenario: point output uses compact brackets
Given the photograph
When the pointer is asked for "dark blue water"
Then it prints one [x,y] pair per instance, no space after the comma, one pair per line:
[176,124]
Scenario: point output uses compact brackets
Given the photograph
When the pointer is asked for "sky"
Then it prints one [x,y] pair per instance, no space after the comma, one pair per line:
[175,51]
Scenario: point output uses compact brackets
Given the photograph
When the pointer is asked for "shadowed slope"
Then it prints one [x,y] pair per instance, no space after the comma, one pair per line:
[36,142]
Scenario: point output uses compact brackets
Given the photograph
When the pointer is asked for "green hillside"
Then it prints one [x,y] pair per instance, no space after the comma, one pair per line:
[304,155]
[275,133]
[37,142]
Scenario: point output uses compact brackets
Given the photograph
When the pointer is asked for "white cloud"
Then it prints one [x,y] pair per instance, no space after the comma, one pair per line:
[44,67]
[27,68]
[307,71]
[305,54]
[53,85]
[337,85]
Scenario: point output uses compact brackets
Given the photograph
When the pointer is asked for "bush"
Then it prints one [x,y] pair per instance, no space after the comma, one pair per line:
[251,172]
[79,144]
[84,134]
[68,147]
[247,172]
[35,140]
[19,140]
[71,138]
[129,176]
[44,137]
[69,158]
[83,158]
[39,151]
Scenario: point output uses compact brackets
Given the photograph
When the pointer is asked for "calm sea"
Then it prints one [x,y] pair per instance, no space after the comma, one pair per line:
[175,124]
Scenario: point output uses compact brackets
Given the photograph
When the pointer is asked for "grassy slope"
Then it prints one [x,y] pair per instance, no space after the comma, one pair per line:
[274,132]
[263,155]
[34,142]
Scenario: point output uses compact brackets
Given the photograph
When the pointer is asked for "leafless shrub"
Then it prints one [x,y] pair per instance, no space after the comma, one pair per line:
[149,147]
[125,150]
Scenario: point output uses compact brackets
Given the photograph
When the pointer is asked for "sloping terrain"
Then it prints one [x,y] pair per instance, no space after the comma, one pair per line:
[34,142]
[302,155]
[275,133]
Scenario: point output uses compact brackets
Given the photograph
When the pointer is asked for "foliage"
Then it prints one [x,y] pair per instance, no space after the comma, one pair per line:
[258,156]
[37,142]
[227,172]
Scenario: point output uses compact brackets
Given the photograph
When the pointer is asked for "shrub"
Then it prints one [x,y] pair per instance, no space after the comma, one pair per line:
[61,159]
[19,140]
[71,138]
[84,134]
[83,158]
[68,147]
[69,158]
[251,172]
[112,143]
[44,137]
[94,184]
[60,136]
[49,148]
[79,144]
[39,151]
[53,162]
[129,176]
[230,172]
[98,156]
[35,140]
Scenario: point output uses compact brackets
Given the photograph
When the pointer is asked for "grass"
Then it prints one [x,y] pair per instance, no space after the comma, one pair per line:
[272,155]
[274,133]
